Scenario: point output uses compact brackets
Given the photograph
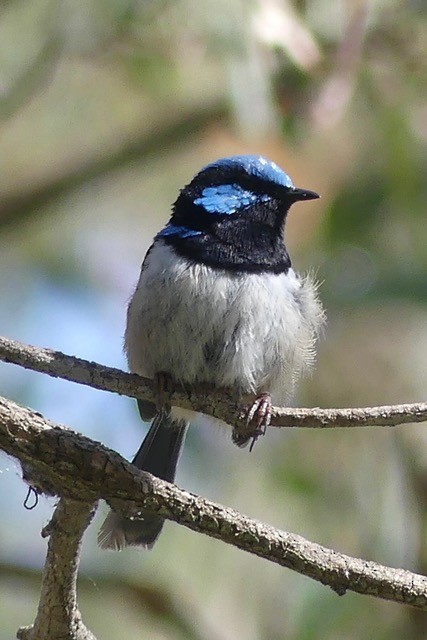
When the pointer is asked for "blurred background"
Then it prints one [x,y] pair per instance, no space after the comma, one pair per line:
[107,108]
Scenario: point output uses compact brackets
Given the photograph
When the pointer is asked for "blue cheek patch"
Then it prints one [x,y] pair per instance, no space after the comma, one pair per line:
[174,230]
[227,199]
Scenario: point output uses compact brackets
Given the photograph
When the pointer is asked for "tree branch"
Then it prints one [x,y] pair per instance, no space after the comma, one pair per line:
[58,615]
[220,403]
[57,460]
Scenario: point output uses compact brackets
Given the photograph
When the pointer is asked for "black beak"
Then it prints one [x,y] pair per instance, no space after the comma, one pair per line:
[303,194]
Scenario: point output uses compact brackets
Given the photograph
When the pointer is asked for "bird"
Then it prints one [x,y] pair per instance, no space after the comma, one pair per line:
[217,302]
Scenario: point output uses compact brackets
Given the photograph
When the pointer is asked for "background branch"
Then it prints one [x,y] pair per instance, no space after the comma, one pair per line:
[222,404]
[141,146]
[57,460]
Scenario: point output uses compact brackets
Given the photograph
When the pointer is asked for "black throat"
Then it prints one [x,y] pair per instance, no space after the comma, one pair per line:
[237,245]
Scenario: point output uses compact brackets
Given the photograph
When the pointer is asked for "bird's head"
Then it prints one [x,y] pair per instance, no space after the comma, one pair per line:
[248,186]
[241,200]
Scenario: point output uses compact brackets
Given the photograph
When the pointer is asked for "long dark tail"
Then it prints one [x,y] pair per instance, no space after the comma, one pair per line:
[159,455]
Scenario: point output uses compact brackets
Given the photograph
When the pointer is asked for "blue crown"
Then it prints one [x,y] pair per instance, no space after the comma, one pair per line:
[256,166]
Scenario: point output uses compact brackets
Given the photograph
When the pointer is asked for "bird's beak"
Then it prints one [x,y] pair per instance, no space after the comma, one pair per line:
[303,194]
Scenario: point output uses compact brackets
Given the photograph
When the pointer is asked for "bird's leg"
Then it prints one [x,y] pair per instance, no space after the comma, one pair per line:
[258,417]
[163,388]
[259,414]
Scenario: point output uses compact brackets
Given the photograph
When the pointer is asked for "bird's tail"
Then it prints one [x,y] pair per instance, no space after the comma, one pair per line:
[159,455]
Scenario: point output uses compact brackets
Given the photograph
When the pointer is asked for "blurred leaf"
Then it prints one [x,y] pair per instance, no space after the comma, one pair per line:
[354,211]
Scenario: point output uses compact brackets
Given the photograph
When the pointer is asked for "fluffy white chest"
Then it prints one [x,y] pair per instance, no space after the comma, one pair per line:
[254,332]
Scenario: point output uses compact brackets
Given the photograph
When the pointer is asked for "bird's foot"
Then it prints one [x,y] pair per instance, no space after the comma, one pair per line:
[259,415]
[163,387]
[258,418]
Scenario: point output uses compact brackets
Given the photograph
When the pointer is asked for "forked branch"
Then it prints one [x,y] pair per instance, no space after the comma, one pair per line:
[57,460]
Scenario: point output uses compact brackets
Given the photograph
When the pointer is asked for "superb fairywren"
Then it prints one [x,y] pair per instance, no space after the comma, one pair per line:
[217,301]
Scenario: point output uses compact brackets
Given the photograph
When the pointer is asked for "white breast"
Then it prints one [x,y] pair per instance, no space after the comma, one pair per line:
[255,332]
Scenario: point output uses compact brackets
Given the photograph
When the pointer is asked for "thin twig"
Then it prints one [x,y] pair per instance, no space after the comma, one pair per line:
[222,404]
[74,466]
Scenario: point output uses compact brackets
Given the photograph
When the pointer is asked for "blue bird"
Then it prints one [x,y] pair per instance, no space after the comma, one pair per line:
[218,301]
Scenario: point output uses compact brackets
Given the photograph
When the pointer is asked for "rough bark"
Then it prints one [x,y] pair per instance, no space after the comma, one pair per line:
[220,403]
[58,615]
[60,461]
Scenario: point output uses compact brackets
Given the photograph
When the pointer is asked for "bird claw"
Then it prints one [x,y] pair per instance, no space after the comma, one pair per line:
[258,417]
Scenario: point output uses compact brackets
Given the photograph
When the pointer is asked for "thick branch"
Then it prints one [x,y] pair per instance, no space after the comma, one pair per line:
[60,461]
[222,403]
[58,615]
